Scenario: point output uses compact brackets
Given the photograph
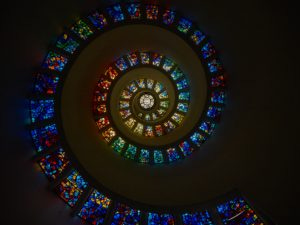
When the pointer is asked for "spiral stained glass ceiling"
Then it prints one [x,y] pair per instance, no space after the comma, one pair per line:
[142,105]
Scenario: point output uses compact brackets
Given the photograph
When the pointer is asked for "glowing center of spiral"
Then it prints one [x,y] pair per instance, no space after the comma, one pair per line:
[147,101]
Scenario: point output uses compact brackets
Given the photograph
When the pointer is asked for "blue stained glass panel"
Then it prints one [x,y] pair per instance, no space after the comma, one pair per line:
[45,84]
[218,97]
[208,50]
[158,157]
[45,137]
[184,25]
[67,43]
[41,110]
[186,148]
[184,96]
[126,215]
[197,37]
[116,13]
[169,17]
[214,112]
[144,156]
[197,139]
[215,66]
[121,64]
[173,154]
[182,84]
[176,74]
[95,208]
[168,64]
[160,219]
[134,11]
[55,62]
[198,218]
[207,127]
[156,59]
[98,20]
[130,152]
[183,107]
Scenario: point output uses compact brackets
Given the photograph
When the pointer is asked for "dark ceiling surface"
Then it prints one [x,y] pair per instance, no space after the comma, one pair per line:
[257,135]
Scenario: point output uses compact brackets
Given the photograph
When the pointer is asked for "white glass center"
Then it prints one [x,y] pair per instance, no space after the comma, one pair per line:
[147,101]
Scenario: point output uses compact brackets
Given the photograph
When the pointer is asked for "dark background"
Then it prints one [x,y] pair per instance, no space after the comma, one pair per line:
[259,47]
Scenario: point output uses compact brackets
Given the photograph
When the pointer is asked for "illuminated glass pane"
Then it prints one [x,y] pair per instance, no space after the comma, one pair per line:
[156,59]
[186,148]
[168,65]
[102,122]
[100,97]
[237,211]
[45,137]
[152,12]
[183,107]
[41,110]
[176,74]
[161,111]
[130,123]
[95,208]
[71,188]
[118,144]
[55,62]
[198,218]
[45,84]
[126,94]
[173,154]
[141,83]
[159,130]
[104,84]
[121,64]
[182,84]
[67,43]
[160,219]
[82,30]
[111,73]
[130,152]
[168,17]
[145,56]
[178,118]
[126,215]
[100,109]
[139,129]
[207,127]
[134,11]
[116,13]
[154,116]
[197,139]
[125,113]
[184,96]
[208,50]
[124,104]
[163,95]
[147,101]
[214,112]
[53,164]
[149,131]
[198,37]
[164,104]
[109,134]
[218,97]
[169,126]
[133,59]
[158,87]
[98,20]
[158,157]
[150,84]
[132,87]
[147,117]
[144,156]
[215,66]
[184,25]
[218,81]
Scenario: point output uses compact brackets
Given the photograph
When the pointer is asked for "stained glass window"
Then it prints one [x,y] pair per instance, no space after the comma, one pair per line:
[186,148]
[102,122]
[183,107]
[53,164]
[126,94]
[45,137]
[163,95]
[198,218]
[134,11]
[168,17]
[67,43]
[184,25]
[169,126]
[95,208]
[158,87]
[208,50]
[100,96]
[145,56]
[197,37]
[207,127]
[158,157]
[173,154]
[198,139]
[124,104]
[132,87]
[149,131]
[176,74]
[130,123]
[82,30]
[55,62]
[168,64]
[184,96]
[152,12]
[156,59]
[159,130]
[116,13]
[121,64]
[133,59]
[214,112]
[98,20]
[218,81]
[41,110]
[160,219]
[126,215]
[218,97]
[71,188]
[182,84]
[215,66]
[125,113]
[150,83]
[178,118]
[109,134]
[144,156]
[45,84]
[141,83]
[139,129]
[100,109]
[118,144]
[104,84]
[237,211]
[130,152]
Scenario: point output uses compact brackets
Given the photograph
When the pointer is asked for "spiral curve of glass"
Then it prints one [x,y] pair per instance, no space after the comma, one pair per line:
[97,206]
